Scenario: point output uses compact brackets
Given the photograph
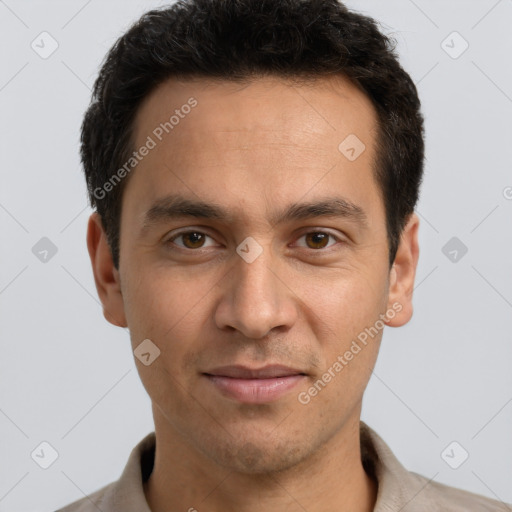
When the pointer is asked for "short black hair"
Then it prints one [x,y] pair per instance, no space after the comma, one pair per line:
[240,40]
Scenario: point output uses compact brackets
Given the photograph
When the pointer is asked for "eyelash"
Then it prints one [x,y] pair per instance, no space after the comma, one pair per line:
[199,249]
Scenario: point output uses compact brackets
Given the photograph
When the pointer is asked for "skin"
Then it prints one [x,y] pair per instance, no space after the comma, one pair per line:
[254,149]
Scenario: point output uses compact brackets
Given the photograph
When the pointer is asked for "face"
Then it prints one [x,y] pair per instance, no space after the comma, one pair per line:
[254,257]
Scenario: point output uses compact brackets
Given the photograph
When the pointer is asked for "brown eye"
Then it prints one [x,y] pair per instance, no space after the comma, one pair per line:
[317,239]
[193,240]
[190,239]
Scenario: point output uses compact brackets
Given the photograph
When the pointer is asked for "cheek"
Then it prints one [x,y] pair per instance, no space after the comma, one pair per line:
[346,316]
[166,311]
[162,298]
[349,344]
[344,301]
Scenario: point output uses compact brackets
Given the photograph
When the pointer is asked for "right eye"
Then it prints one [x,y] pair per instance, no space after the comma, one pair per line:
[190,239]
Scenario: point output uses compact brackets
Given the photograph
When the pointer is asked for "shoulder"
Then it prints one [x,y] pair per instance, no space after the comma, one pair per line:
[127,493]
[452,499]
[91,503]
[408,491]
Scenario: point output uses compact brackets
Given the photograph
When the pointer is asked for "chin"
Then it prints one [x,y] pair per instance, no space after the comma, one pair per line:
[257,457]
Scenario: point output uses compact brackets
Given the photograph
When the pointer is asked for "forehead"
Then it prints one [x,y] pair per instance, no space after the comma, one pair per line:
[265,138]
[273,103]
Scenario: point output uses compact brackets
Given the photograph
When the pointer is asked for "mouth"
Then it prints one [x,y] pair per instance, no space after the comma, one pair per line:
[254,385]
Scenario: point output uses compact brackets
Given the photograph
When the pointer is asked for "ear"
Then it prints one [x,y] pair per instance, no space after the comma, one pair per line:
[402,274]
[106,276]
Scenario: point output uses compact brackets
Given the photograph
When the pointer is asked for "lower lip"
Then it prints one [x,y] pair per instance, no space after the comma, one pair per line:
[255,391]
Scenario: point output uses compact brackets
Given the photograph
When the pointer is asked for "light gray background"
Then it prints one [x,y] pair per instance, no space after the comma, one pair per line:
[69,378]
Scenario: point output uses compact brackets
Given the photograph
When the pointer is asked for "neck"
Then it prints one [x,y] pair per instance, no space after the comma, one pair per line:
[333,479]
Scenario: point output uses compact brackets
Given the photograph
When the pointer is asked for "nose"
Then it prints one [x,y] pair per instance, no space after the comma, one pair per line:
[256,298]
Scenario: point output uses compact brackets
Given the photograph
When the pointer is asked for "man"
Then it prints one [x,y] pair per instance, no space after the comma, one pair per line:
[254,166]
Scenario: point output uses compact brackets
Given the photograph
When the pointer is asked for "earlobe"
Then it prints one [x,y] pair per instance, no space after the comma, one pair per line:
[402,274]
[106,276]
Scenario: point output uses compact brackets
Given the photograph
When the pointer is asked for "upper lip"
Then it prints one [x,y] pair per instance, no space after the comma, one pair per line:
[244,372]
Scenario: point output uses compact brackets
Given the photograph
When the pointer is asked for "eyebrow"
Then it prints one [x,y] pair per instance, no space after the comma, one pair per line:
[177,206]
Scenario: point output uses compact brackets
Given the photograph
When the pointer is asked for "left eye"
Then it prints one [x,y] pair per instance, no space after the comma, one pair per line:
[318,239]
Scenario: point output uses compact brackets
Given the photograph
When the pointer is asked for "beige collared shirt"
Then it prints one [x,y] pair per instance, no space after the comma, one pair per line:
[399,490]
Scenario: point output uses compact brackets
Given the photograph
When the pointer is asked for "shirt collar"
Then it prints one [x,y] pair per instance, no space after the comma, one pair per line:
[397,487]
